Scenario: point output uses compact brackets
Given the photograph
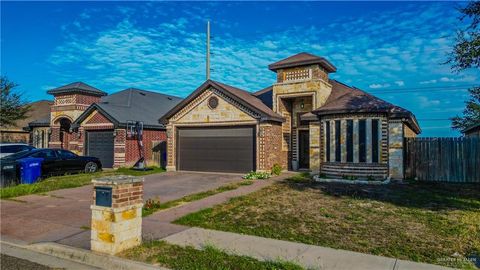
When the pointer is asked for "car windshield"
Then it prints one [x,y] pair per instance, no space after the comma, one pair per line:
[18,155]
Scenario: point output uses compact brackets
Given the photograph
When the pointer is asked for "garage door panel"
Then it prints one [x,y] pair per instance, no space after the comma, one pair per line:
[100,144]
[216,149]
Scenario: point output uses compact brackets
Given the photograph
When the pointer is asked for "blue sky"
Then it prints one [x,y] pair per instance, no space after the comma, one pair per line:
[394,50]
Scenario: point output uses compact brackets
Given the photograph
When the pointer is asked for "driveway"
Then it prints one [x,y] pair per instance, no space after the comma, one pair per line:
[64,215]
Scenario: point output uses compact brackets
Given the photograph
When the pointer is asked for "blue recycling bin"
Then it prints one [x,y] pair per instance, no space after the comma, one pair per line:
[30,169]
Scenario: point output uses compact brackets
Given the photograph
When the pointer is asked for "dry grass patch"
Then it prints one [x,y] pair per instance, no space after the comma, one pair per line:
[437,224]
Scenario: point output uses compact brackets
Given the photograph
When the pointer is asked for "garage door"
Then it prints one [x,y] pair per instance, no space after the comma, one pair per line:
[100,145]
[216,149]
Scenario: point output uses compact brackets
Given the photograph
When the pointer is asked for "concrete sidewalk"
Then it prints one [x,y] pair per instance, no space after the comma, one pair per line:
[308,256]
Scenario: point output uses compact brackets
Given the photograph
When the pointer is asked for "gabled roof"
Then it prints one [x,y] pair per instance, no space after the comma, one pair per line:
[243,97]
[346,99]
[133,105]
[303,59]
[263,91]
[77,87]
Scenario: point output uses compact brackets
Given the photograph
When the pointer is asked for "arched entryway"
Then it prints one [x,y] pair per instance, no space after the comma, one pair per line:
[65,132]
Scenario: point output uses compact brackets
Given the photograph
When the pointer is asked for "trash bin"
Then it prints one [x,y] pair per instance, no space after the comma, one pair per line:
[30,169]
[8,173]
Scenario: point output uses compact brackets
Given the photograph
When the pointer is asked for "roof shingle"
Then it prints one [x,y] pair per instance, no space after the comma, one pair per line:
[303,59]
[77,87]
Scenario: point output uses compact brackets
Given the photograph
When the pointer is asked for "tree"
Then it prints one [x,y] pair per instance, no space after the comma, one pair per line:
[465,55]
[12,106]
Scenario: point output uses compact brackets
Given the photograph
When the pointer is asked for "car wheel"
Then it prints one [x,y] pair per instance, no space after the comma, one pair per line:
[91,167]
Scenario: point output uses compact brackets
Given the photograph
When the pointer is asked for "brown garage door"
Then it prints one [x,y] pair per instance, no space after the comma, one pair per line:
[216,149]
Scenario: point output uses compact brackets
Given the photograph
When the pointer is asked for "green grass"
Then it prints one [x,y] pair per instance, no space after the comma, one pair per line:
[66,181]
[152,206]
[417,221]
[209,258]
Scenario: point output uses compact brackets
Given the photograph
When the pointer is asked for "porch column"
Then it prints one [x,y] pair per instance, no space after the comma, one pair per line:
[314,150]
[355,141]
[332,141]
[343,140]
[395,149]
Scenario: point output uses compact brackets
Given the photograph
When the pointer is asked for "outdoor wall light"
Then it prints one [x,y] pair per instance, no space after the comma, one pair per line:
[114,133]
[302,104]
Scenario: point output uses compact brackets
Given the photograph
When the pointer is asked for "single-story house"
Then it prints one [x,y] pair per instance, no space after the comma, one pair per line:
[304,121]
[18,133]
[87,121]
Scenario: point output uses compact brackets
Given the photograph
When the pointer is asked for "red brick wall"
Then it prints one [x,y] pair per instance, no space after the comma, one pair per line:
[86,99]
[98,118]
[133,150]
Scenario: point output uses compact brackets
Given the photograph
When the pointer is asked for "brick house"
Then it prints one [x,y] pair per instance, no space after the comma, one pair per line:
[303,121]
[87,121]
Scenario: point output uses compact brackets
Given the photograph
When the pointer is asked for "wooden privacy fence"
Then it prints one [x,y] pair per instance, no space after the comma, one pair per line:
[443,159]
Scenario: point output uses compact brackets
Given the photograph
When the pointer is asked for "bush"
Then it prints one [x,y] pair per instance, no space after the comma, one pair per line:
[276,169]
[257,175]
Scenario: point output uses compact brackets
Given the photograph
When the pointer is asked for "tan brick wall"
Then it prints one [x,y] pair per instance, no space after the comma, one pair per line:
[227,113]
[14,136]
[408,132]
[315,158]
[270,147]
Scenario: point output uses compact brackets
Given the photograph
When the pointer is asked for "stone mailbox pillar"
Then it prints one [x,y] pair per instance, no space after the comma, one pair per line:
[116,213]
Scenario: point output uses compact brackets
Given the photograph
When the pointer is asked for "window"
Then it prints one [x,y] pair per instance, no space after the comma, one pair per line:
[338,147]
[327,138]
[362,140]
[66,154]
[375,140]
[349,140]
[44,154]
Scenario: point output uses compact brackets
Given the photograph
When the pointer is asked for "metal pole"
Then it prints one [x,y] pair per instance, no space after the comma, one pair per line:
[208,50]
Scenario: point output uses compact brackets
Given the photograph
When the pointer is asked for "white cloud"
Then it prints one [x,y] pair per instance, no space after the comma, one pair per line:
[377,85]
[400,83]
[428,82]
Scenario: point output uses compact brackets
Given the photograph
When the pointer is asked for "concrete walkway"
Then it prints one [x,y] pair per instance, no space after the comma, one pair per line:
[308,256]
[158,225]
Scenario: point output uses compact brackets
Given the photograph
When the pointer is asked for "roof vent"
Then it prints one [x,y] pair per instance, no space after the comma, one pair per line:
[143,94]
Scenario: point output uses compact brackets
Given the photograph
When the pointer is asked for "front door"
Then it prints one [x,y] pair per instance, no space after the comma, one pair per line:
[303,149]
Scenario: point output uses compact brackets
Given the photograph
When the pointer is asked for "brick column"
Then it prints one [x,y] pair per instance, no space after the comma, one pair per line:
[395,149]
[55,138]
[314,151]
[171,148]
[116,216]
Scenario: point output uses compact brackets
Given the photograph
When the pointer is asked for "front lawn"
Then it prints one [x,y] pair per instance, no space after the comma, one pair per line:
[432,223]
[188,258]
[67,181]
[151,206]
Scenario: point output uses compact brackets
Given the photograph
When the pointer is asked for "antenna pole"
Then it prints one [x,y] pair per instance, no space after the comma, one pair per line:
[208,50]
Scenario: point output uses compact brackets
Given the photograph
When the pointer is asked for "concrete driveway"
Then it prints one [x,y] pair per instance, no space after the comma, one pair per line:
[63,215]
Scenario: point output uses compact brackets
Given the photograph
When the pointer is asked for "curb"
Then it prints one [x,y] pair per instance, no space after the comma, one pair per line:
[85,257]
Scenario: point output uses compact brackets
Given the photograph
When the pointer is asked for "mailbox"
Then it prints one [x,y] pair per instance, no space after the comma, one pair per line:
[103,196]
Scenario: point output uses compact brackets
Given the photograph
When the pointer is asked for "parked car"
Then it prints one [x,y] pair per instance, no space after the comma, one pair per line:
[7,149]
[57,161]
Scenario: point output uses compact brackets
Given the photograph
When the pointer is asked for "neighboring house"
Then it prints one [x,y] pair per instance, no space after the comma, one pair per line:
[87,121]
[19,132]
[304,121]
[472,131]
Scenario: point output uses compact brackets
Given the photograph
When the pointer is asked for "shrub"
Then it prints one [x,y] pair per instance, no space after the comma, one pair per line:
[257,175]
[276,169]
